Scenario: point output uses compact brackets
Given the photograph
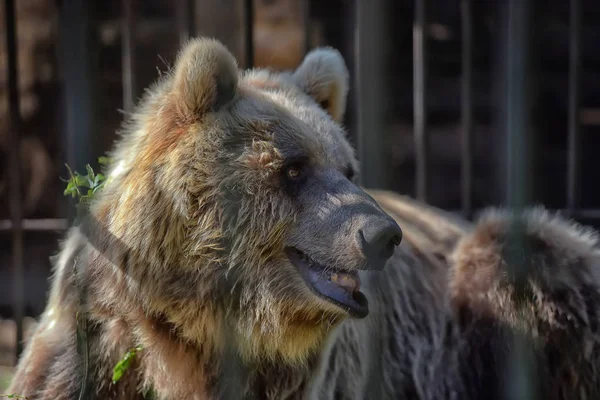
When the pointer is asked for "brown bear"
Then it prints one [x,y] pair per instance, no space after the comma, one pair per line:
[233,247]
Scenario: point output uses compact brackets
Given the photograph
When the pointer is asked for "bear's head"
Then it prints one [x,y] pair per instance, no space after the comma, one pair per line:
[235,196]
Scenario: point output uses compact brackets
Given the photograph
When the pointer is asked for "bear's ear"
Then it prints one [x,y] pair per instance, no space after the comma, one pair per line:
[323,75]
[205,77]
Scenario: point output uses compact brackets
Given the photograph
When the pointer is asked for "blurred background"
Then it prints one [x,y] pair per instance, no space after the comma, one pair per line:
[460,103]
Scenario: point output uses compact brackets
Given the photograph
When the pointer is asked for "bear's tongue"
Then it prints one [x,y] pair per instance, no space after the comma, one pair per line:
[340,287]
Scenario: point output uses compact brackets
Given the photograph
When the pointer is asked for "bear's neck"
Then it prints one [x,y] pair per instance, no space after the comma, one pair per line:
[176,367]
[269,380]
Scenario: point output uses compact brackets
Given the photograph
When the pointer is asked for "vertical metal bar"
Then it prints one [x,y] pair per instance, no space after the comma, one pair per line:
[370,92]
[127,54]
[466,109]
[518,181]
[348,46]
[16,211]
[306,23]
[517,123]
[191,20]
[249,32]
[77,85]
[185,15]
[574,82]
[419,88]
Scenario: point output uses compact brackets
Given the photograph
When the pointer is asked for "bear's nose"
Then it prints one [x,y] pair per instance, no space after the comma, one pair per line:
[379,237]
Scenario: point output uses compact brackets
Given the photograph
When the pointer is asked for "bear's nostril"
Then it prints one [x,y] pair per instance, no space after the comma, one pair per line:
[396,240]
[380,237]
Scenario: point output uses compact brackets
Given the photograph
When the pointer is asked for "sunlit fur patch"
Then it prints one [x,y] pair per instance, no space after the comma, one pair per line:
[264,160]
[267,80]
[286,332]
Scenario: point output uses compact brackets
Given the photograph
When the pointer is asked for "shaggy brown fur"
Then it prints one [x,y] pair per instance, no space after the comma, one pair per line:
[188,260]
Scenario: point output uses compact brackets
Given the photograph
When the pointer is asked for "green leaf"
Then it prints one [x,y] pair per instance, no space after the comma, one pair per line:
[118,371]
[81,180]
[104,160]
[98,179]
[124,364]
[71,189]
[69,169]
[90,171]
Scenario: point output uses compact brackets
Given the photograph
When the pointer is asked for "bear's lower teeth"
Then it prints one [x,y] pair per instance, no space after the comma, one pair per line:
[346,281]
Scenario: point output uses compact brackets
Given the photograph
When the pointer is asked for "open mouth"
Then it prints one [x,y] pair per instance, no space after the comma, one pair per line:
[341,288]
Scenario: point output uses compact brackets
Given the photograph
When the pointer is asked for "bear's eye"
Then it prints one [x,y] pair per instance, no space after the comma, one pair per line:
[293,172]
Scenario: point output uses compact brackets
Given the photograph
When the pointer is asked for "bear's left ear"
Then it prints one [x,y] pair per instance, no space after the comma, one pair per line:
[323,75]
[205,77]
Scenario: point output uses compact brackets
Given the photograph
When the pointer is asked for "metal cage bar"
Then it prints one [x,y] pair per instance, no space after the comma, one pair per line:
[369,91]
[76,69]
[581,213]
[16,210]
[419,96]
[128,55]
[37,225]
[466,109]
[59,224]
[185,15]
[306,23]
[573,158]
[517,152]
[516,105]
[249,32]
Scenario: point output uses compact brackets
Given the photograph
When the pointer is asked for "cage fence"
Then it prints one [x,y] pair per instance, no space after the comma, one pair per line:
[367,45]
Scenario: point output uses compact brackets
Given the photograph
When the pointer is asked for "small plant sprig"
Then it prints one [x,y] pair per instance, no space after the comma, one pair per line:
[84,187]
[13,396]
[124,364]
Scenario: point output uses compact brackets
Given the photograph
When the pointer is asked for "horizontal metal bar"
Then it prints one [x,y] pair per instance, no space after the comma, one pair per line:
[584,213]
[62,224]
[58,224]
[589,213]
